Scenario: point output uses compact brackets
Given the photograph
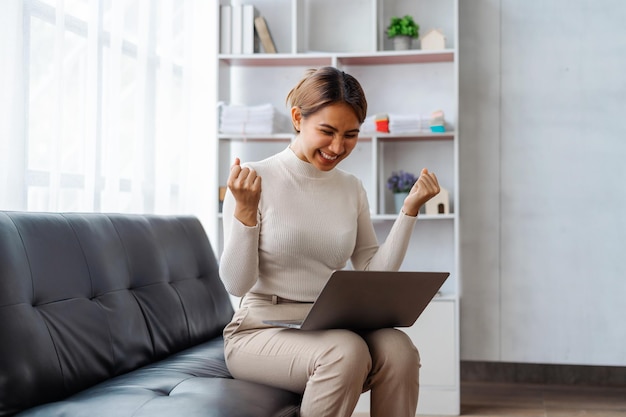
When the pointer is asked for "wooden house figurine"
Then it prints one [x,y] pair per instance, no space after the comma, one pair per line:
[433,40]
[439,204]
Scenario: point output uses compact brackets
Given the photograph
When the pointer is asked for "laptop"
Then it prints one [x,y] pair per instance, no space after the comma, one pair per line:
[369,300]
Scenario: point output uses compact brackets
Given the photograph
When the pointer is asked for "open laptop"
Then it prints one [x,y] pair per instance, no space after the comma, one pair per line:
[367,300]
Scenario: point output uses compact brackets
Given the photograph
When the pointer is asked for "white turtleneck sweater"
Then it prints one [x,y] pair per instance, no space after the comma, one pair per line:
[310,223]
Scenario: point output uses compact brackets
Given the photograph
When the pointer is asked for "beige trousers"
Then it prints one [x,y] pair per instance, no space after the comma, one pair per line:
[330,368]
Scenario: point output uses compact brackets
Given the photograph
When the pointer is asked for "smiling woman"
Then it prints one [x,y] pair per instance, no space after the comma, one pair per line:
[292,219]
[107,108]
[326,137]
[327,109]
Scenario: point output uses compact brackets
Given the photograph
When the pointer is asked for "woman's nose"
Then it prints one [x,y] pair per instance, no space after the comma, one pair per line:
[337,145]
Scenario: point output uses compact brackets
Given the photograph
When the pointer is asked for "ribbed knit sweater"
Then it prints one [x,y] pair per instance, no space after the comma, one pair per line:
[310,223]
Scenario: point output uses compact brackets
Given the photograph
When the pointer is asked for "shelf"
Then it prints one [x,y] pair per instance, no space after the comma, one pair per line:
[414,56]
[366,136]
[386,217]
[445,296]
[256,137]
[349,35]
[278,60]
[390,137]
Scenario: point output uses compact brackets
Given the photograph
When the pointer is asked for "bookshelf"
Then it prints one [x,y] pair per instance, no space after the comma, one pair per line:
[350,35]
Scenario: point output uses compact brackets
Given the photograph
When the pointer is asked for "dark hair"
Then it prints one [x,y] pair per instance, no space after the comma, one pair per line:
[324,86]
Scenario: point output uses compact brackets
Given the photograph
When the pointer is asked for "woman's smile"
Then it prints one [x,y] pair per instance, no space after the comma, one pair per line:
[326,137]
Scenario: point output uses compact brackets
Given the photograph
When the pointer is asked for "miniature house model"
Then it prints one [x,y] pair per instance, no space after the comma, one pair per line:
[433,40]
[439,204]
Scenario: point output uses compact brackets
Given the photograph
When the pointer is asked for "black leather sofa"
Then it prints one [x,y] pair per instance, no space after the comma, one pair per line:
[117,315]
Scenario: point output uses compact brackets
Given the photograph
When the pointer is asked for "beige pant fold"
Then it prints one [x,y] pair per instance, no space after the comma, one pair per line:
[331,368]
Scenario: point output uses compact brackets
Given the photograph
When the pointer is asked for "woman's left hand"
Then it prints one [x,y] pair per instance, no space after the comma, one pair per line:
[425,188]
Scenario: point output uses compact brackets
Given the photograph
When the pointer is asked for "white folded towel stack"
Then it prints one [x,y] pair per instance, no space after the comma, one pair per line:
[260,119]
[399,123]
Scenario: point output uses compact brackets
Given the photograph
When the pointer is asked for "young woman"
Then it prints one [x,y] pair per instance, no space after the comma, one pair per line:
[289,221]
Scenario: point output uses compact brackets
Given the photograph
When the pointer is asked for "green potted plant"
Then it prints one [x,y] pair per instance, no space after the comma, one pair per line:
[402,30]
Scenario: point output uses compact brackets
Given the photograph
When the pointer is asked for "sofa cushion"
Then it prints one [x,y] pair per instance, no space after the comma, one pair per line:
[194,382]
[87,297]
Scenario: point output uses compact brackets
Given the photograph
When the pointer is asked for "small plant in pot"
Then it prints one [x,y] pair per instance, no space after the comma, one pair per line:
[400,183]
[402,30]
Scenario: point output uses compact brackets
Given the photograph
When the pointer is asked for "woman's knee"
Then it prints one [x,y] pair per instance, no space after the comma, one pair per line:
[347,350]
[393,347]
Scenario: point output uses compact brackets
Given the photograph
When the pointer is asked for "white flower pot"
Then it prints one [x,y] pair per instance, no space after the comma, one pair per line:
[401,43]
[398,199]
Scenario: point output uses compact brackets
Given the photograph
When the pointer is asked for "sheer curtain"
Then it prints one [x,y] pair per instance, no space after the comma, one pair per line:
[108,106]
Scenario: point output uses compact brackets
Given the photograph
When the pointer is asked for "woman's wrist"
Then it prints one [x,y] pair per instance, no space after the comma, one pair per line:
[409,211]
[246,217]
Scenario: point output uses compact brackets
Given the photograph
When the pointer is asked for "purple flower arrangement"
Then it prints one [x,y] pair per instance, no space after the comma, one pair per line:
[401,182]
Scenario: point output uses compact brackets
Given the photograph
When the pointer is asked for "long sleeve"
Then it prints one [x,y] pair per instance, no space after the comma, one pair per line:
[310,223]
[390,254]
[239,264]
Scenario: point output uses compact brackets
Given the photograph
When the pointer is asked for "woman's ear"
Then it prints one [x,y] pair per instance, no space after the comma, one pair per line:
[296,118]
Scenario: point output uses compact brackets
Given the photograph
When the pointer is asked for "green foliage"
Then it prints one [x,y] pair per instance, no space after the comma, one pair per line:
[403,26]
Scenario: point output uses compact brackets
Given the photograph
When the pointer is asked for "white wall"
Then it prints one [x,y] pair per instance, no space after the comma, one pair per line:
[543,167]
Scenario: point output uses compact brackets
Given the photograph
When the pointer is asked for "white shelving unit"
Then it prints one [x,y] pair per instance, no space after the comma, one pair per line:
[350,35]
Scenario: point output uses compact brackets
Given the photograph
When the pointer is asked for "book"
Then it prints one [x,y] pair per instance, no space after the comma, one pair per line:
[237,29]
[225,29]
[264,35]
[247,28]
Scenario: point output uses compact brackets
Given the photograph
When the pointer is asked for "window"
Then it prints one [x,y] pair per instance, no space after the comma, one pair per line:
[117,105]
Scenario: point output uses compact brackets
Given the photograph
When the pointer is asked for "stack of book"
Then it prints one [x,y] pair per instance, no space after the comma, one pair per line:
[260,119]
[241,29]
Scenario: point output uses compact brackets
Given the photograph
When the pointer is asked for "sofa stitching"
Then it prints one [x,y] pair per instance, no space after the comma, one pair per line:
[45,323]
[213,302]
[169,275]
[162,395]
[143,313]
[19,233]
[182,226]
[91,298]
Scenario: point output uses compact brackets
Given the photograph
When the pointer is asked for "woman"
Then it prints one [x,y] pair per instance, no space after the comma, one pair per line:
[289,221]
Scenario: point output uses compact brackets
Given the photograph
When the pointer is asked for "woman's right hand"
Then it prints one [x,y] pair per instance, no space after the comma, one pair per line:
[245,186]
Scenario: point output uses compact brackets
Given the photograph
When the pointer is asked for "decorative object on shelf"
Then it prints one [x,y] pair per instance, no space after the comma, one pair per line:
[400,183]
[264,35]
[402,30]
[222,194]
[398,200]
[437,122]
[381,121]
[439,204]
[433,40]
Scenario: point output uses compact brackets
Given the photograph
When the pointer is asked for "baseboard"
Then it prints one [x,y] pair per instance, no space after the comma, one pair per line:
[609,376]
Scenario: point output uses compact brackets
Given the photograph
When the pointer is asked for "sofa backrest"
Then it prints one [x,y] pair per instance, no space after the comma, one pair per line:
[85,297]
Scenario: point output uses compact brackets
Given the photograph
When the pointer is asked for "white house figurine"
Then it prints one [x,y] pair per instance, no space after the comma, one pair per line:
[433,40]
[439,204]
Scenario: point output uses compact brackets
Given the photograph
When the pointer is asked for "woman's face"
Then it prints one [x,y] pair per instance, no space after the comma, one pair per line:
[326,137]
